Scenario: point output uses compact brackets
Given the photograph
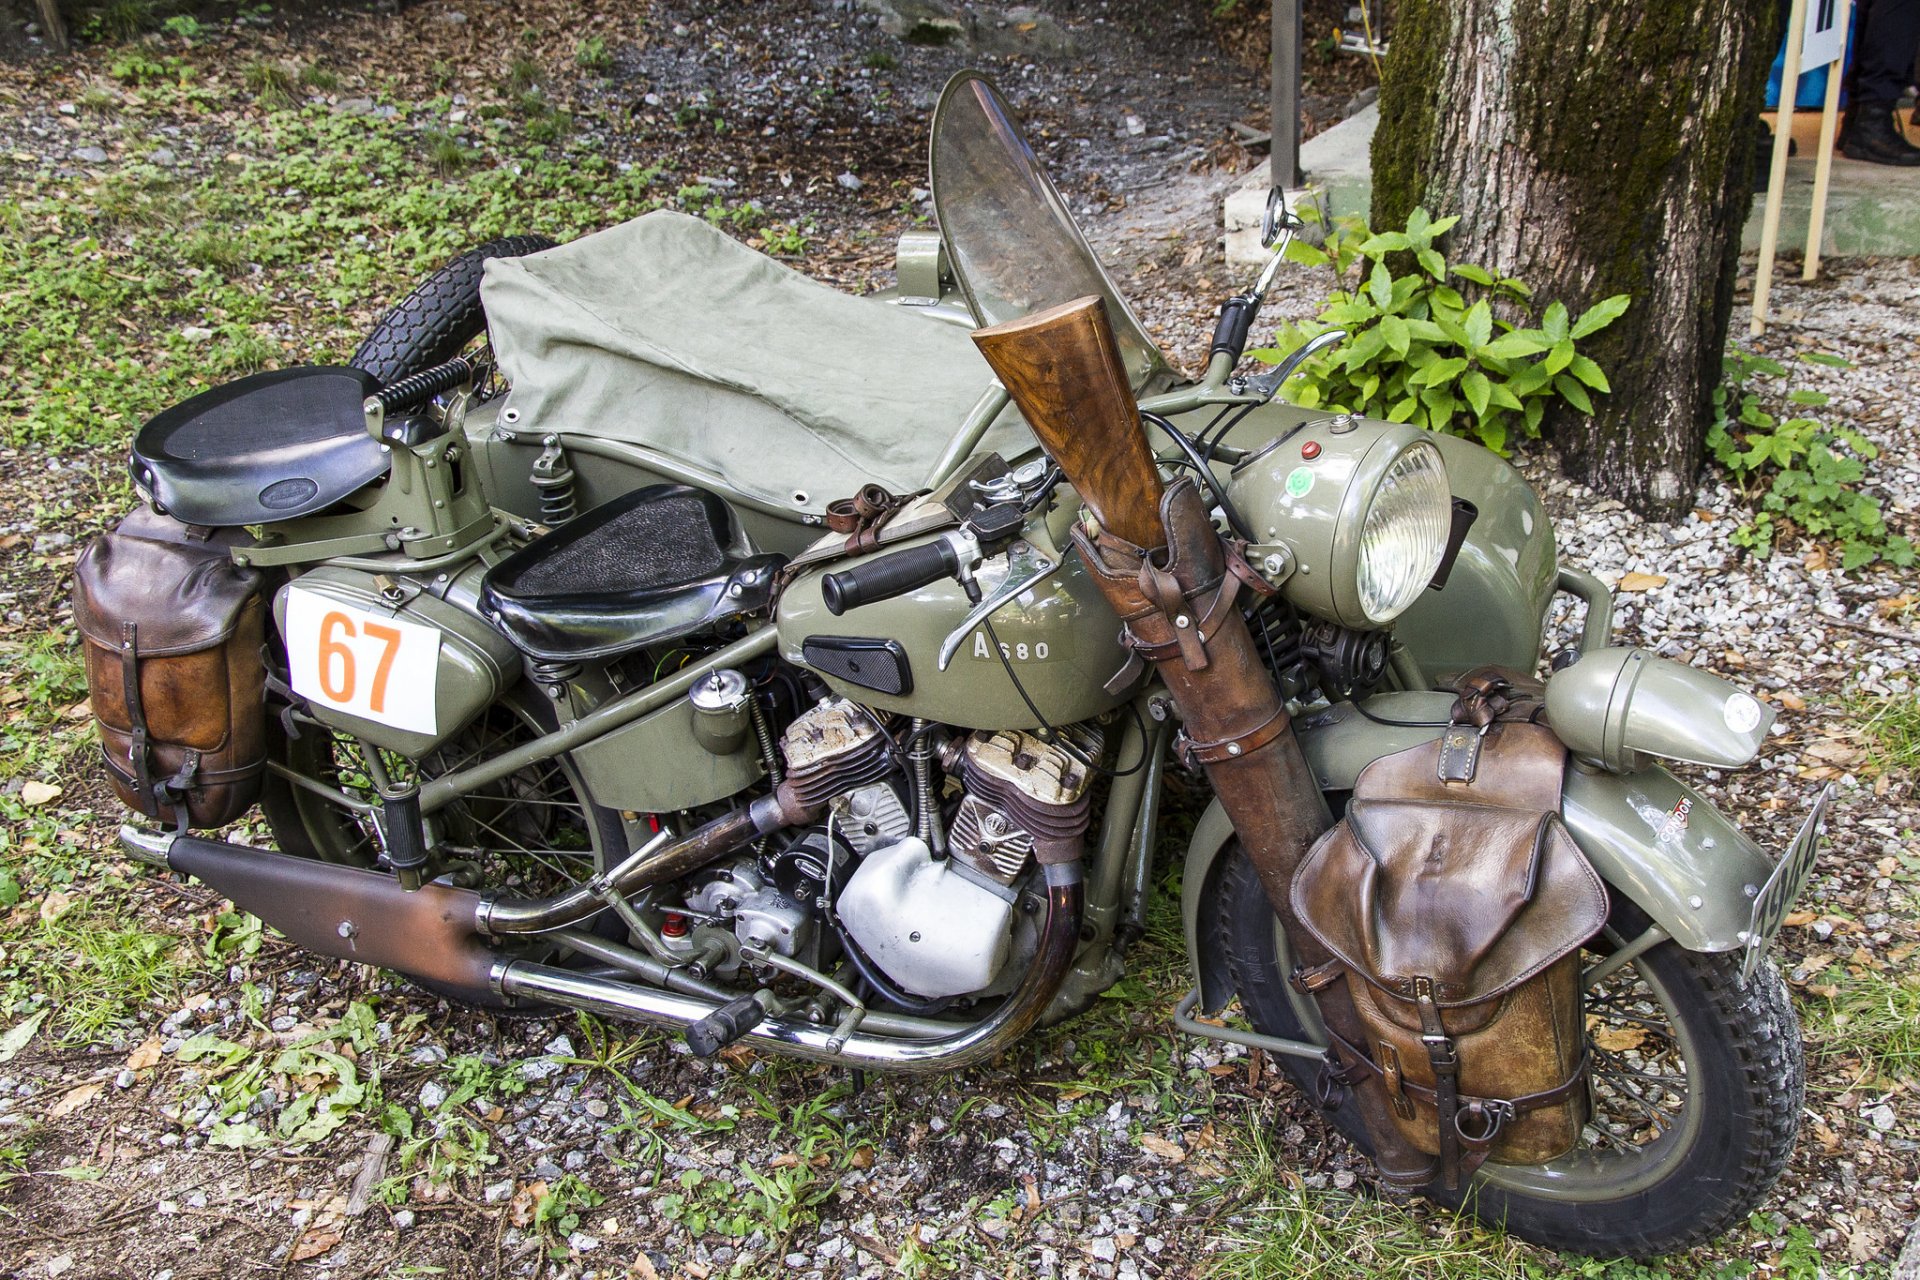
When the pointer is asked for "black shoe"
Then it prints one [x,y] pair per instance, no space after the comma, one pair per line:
[1873,137]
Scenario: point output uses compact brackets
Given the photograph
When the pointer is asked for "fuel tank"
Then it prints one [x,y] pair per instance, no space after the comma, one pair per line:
[1060,639]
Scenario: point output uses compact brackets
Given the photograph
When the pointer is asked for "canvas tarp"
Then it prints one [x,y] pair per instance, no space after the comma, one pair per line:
[667,333]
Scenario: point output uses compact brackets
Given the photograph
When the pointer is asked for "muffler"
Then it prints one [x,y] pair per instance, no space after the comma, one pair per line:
[347,912]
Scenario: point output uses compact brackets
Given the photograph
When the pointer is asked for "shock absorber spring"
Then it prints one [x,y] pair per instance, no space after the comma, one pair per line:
[928,825]
[554,479]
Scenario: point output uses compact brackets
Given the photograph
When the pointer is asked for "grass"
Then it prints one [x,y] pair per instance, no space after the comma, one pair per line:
[1891,727]
[95,973]
[592,54]
[273,83]
[1874,1017]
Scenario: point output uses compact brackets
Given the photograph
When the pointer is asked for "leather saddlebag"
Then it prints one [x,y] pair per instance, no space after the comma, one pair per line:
[1454,904]
[173,632]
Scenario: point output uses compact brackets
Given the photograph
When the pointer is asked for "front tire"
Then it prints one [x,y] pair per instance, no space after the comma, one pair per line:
[1647,1178]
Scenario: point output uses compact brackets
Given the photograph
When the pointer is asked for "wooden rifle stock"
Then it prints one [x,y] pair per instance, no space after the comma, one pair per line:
[1063,369]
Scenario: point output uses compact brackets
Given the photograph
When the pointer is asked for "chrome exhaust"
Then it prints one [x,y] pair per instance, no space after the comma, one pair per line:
[1017,1014]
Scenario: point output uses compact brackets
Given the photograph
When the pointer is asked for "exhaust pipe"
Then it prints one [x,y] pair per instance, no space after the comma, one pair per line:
[1017,1014]
[435,932]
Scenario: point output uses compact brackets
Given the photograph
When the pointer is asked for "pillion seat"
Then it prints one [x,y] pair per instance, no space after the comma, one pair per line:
[273,446]
[646,567]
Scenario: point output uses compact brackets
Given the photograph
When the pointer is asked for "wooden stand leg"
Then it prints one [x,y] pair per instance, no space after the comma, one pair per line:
[1823,163]
[1777,175]
[53,24]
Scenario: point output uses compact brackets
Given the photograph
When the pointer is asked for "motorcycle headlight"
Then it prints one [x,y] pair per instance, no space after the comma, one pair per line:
[1363,507]
[1404,533]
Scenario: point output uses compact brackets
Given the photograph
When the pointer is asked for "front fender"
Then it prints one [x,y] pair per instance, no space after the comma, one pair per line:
[1650,836]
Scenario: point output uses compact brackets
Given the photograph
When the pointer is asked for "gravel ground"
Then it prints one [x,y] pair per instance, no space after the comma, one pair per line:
[1107,1148]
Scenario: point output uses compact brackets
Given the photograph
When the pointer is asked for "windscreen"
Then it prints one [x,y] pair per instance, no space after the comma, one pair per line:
[1012,243]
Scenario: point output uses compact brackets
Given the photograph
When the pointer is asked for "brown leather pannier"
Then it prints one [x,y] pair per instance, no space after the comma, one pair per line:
[173,632]
[1454,908]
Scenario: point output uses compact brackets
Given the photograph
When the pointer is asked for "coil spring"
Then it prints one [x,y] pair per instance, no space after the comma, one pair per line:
[416,387]
[554,480]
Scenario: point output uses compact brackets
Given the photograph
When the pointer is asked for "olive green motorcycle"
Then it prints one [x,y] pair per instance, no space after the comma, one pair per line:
[642,628]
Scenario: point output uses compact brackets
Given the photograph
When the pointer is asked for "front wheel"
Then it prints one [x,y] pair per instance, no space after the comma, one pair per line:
[1696,1086]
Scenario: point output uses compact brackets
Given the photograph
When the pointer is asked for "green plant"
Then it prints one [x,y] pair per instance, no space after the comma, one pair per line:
[522,75]
[1891,725]
[1874,1017]
[447,153]
[879,60]
[1804,474]
[137,67]
[592,54]
[557,1208]
[1418,351]
[120,19]
[315,76]
[784,240]
[217,250]
[271,82]
[184,25]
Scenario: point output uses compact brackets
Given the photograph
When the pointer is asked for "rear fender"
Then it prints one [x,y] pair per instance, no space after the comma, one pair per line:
[1650,836]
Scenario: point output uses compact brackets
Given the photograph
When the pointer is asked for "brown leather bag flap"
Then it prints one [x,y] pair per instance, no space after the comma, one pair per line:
[1476,898]
[185,598]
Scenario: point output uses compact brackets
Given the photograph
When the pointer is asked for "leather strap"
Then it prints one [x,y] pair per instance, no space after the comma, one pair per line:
[1477,1122]
[1193,754]
[136,710]
[1460,752]
[1486,695]
[1236,558]
[1444,1058]
[1202,621]
[862,516]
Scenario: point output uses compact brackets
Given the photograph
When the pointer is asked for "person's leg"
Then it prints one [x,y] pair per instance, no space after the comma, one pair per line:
[1889,31]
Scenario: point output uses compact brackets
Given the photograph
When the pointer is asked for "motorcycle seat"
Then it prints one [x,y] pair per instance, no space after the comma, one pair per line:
[273,446]
[650,565]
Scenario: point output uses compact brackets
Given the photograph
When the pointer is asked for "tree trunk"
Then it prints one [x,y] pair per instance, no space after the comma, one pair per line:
[1592,147]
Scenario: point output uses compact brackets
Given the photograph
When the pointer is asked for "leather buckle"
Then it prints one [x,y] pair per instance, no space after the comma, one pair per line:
[1440,1051]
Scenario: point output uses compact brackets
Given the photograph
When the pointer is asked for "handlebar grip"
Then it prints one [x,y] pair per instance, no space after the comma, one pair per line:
[1236,320]
[885,577]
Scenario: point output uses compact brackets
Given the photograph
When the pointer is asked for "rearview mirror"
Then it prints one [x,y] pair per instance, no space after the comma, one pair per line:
[1276,218]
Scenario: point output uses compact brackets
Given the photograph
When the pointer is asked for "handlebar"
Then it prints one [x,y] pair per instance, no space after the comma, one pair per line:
[894,574]
[1236,321]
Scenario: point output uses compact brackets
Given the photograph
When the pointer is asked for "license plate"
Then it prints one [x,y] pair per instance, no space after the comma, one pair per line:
[1784,886]
[370,665]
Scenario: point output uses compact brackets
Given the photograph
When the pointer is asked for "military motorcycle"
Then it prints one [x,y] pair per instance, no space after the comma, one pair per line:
[639,627]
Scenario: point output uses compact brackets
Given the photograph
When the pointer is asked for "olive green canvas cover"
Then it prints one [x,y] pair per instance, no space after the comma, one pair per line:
[667,333]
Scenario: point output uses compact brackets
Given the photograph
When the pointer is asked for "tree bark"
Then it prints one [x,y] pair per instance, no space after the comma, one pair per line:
[1592,147]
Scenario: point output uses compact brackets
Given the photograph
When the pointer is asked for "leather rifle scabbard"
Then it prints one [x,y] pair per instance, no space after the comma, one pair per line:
[1238,729]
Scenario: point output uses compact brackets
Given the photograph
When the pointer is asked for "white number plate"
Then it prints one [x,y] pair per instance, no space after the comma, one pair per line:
[365,664]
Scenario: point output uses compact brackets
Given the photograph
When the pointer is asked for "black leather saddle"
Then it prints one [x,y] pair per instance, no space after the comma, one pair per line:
[269,447]
[648,566]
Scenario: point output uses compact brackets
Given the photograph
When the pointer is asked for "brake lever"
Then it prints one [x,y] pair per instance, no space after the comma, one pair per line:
[1267,385]
[1026,568]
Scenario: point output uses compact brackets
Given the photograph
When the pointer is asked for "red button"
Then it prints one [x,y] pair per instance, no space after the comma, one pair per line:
[1310,450]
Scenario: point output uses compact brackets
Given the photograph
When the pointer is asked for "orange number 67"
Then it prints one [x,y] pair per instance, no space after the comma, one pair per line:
[335,653]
